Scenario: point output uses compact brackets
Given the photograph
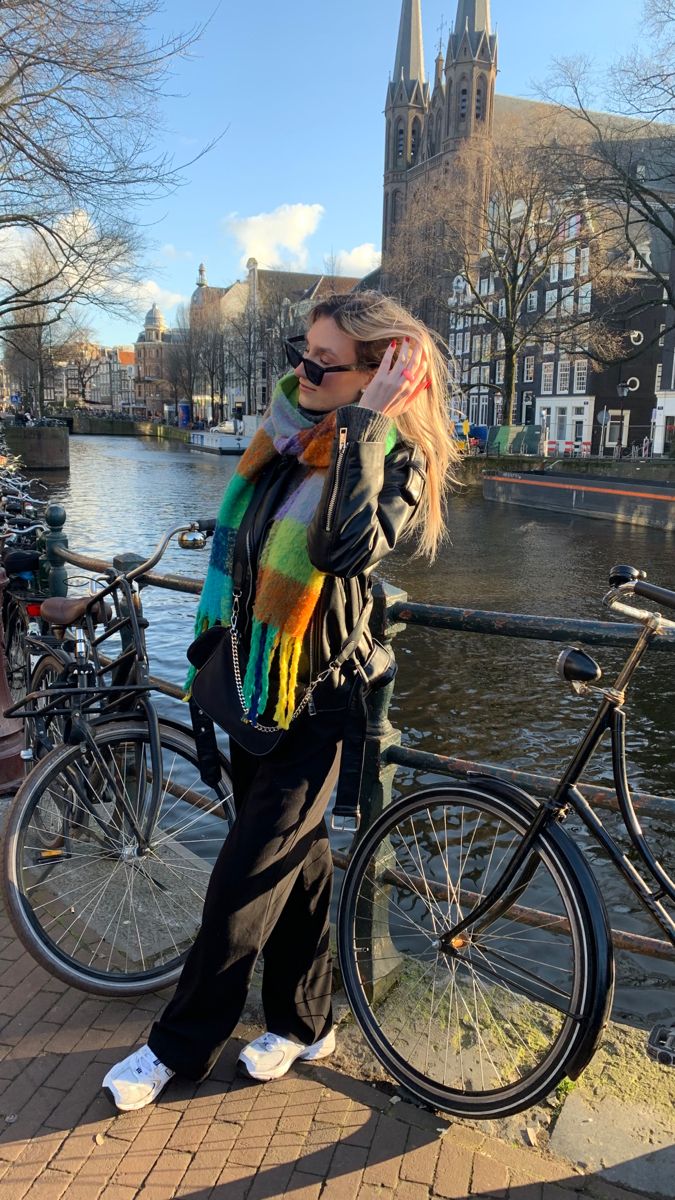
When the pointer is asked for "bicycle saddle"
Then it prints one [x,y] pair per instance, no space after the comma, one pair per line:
[16,561]
[59,611]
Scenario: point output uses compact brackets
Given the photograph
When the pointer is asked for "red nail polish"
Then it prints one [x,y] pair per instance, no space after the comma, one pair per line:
[427,384]
[392,345]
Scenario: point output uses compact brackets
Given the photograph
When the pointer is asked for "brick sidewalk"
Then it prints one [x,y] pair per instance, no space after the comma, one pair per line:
[314,1134]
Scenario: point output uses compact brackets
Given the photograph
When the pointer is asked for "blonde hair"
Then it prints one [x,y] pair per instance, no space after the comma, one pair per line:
[373,320]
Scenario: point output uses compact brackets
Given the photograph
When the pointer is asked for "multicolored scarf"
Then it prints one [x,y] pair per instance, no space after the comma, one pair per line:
[287,585]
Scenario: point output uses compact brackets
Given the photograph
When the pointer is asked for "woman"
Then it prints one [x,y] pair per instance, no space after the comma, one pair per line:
[354,453]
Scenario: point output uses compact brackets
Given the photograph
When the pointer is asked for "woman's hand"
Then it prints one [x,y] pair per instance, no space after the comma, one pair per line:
[395,385]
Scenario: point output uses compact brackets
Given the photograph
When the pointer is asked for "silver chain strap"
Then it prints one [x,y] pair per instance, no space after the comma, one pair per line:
[309,690]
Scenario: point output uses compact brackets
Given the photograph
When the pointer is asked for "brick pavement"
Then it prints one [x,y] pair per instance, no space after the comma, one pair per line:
[314,1135]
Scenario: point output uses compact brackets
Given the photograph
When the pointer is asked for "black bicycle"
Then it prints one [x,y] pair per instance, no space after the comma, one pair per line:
[110,841]
[474,942]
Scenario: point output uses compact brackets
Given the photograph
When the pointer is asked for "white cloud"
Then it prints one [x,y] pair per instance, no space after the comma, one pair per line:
[173,254]
[359,261]
[276,238]
[149,292]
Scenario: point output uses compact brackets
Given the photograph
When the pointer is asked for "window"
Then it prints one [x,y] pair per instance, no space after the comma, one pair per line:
[561,424]
[499,371]
[564,368]
[475,374]
[485,374]
[484,285]
[532,301]
[473,410]
[400,142]
[580,375]
[548,348]
[553,270]
[569,262]
[547,379]
[551,304]
[573,227]
[492,285]
[659,377]
[501,344]
[463,103]
[467,342]
[584,260]
[567,301]
[585,297]
[483,410]
[479,102]
[487,347]
[528,369]
[502,307]
[475,349]
[662,338]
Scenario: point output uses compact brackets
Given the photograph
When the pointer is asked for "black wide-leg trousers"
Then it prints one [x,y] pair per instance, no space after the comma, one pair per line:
[269,891]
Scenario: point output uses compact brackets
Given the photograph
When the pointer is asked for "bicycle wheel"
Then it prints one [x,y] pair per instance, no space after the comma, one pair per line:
[86,904]
[488,1025]
[16,629]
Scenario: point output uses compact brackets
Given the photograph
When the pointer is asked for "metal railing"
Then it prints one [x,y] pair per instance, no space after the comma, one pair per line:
[392,613]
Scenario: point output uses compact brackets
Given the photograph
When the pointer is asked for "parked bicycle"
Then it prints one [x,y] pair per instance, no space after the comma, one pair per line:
[110,841]
[473,938]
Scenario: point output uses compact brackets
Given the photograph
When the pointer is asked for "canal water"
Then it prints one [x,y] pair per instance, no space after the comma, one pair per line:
[490,699]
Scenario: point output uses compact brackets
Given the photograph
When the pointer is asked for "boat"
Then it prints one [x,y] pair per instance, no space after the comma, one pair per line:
[214,441]
[610,498]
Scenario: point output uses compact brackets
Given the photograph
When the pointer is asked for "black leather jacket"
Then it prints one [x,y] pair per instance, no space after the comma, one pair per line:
[367,500]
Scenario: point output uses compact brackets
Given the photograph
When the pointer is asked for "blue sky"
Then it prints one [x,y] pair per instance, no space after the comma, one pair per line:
[297,176]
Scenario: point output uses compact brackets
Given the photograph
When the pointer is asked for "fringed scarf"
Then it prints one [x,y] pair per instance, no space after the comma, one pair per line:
[287,585]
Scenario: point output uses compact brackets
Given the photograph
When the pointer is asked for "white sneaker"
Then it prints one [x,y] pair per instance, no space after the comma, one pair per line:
[271,1056]
[137,1080]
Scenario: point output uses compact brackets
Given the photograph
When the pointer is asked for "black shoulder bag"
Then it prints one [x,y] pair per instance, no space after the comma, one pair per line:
[217,689]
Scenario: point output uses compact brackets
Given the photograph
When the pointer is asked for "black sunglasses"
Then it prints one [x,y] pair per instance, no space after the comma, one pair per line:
[313,370]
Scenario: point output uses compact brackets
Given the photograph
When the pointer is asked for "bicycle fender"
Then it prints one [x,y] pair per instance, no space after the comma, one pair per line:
[601,967]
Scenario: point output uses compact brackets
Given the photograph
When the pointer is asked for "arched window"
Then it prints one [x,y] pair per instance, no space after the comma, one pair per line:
[463,101]
[439,132]
[431,144]
[480,101]
[400,144]
[415,141]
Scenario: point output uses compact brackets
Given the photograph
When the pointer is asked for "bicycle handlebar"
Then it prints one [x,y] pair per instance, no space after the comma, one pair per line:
[614,601]
[144,567]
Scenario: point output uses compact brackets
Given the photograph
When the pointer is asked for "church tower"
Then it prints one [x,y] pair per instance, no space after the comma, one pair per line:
[470,75]
[406,108]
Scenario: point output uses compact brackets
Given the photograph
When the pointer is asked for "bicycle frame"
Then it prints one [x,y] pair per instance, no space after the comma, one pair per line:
[610,717]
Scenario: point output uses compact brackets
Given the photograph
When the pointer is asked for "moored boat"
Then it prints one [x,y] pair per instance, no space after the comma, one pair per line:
[610,498]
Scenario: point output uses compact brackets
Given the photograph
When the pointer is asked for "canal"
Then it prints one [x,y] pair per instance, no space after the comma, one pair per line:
[484,698]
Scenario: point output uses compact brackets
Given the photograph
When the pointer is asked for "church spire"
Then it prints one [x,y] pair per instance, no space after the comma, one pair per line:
[472,37]
[410,49]
[475,14]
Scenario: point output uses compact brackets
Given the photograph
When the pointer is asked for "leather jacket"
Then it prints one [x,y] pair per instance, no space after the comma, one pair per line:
[367,500]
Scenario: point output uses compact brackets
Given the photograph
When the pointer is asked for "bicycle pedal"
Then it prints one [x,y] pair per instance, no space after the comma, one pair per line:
[661,1045]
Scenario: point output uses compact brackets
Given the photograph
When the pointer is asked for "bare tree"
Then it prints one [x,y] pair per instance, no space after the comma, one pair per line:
[537,230]
[78,79]
[422,258]
[627,158]
[184,357]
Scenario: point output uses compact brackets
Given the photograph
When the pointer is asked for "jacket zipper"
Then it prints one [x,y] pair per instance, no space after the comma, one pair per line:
[342,446]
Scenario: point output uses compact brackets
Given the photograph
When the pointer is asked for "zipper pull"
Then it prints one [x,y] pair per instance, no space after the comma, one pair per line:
[311,705]
[342,437]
